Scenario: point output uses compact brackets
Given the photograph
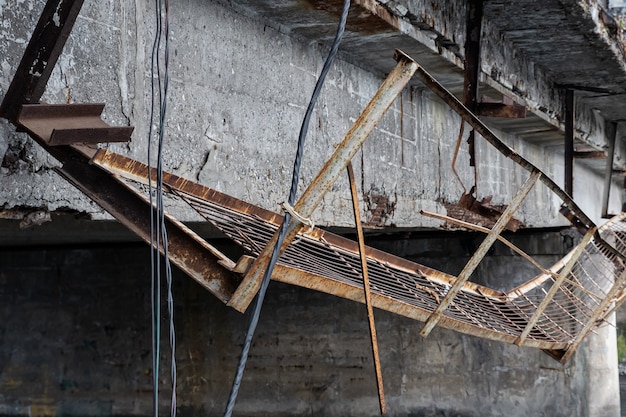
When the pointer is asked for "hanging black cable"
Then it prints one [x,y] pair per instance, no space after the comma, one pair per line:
[158,232]
[254,319]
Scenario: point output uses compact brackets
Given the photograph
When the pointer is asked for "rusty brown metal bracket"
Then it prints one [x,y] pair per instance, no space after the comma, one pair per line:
[345,151]
[67,124]
[506,108]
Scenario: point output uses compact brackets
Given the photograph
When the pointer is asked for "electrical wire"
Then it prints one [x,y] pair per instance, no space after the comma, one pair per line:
[254,319]
[158,231]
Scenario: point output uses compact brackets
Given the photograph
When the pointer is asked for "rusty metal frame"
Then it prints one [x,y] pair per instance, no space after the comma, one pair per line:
[480,253]
[345,151]
[187,251]
[578,217]
[556,286]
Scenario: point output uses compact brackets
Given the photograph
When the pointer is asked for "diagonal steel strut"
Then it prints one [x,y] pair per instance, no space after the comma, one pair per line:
[356,136]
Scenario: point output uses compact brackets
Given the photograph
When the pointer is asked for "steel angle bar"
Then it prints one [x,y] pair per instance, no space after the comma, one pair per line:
[618,287]
[480,252]
[482,229]
[351,143]
[43,50]
[366,288]
[186,250]
[556,286]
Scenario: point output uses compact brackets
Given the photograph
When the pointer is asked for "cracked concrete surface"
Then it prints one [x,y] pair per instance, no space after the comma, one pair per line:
[238,88]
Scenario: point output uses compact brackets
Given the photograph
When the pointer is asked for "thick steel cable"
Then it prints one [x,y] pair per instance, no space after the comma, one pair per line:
[254,319]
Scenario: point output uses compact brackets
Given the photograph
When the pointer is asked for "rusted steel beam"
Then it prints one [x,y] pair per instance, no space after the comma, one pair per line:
[599,314]
[589,155]
[568,180]
[366,288]
[480,253]
[611,134]
[68,124]
[186,252]
[356,136]
[473,31]
[297,277]
[555,287]
[43,50]
[511,111]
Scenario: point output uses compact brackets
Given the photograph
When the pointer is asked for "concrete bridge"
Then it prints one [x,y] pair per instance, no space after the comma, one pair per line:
[241,74]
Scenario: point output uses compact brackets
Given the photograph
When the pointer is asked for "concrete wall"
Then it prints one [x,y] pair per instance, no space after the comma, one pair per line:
[75,330]
[238,89]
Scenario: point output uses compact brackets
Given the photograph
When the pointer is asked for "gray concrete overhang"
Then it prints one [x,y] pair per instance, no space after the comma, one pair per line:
[532,51]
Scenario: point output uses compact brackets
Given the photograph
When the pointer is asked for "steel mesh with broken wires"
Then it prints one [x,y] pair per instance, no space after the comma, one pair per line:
[420,289]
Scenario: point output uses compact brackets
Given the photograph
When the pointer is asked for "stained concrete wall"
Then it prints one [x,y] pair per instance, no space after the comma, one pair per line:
[238,88]
[238,91]
[75,330]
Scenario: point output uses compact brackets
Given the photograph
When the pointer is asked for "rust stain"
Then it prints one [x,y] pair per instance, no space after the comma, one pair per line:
[379,208]
[481,213]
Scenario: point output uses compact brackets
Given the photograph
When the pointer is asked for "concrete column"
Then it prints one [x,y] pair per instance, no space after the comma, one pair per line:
[602,379]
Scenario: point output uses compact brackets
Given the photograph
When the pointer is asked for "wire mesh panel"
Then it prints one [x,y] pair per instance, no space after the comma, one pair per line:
[475,310]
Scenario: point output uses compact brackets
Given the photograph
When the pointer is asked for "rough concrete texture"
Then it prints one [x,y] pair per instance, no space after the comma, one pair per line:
[75,326]
[238,89]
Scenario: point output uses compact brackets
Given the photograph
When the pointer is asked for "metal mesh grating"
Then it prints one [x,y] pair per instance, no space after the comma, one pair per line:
[475,310]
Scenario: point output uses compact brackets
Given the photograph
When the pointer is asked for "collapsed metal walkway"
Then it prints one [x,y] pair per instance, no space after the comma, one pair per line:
[553,311]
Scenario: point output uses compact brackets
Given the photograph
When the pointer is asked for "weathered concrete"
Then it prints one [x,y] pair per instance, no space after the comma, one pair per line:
[75,326]
[237,96]
[239,84]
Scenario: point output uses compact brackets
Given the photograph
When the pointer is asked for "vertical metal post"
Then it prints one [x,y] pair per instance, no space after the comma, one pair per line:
[366,289]
[555,287]
[611,133]
[356,136]
[472,65]
[480,252]
[569,143]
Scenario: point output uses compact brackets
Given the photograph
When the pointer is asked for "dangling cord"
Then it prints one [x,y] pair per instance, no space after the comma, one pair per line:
[159,237]
[254,319]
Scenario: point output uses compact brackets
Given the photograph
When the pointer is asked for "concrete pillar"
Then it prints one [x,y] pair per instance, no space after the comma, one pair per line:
[601,373]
